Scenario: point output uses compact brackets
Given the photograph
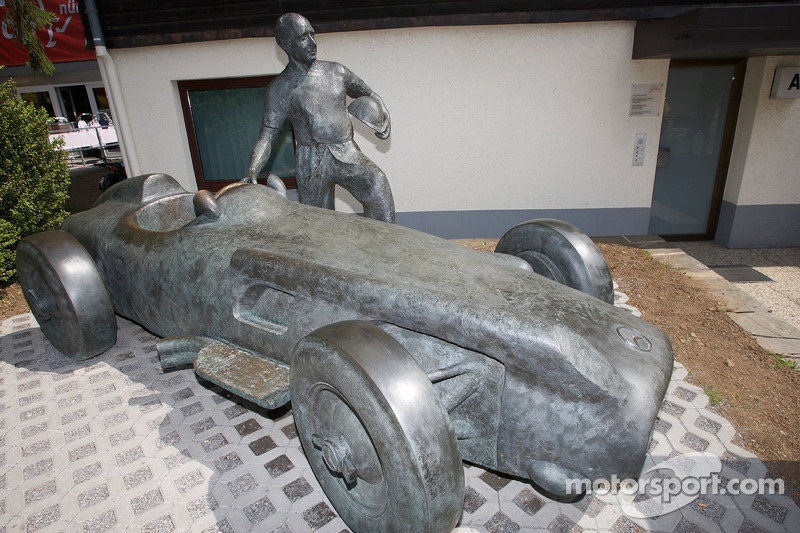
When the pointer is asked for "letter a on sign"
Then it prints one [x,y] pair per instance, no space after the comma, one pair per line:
[786,83]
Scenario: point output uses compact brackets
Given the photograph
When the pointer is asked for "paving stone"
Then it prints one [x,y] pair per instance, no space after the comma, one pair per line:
[128,456]
[772,511]
[247,427]
[146,501]
[527,501]
[33,398]
[192,409]
[35,429]
[141,406]
[114,420]
[684,526]
[694,442]
[40,492]
[86,473]
[214,442]
[177,459]
[591,506]
[562,524]
[227,462]
[36,448]
[472,500]
[501,523]
[708,508]
[77,433]
[749,527]
[223,526]
[163,524]
[42,519]
[262,445]
[189,481]
[243,485]
[290,431]
[736,463]
[169,439]
[235,411]
[109,403]
[279,466]
[672,409]
[38,468]
[159,422]
[297,489]
[684,394]
[318,516]
[118,438]
[30,414]
[93,496]
[202,506]
[72,417]
[137,477]
[494,481]
[182,394]
[706,424]
[203,425]
[101,522]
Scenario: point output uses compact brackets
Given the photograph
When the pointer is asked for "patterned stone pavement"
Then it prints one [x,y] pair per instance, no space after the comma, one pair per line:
[115,444]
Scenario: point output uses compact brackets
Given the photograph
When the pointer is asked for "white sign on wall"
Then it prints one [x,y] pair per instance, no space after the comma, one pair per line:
[786,83]
[646,99]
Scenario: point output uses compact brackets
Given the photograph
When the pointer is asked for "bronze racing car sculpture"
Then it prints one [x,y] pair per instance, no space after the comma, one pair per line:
[402,354]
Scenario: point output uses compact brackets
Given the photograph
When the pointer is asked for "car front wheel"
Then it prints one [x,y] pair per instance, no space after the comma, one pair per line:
[66,294]
[375,432]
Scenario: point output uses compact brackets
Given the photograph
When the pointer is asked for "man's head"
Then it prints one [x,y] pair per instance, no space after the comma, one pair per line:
[295,36]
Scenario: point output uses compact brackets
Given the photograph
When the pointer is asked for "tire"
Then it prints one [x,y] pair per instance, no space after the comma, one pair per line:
[375,431]
[66,294]
[561,252]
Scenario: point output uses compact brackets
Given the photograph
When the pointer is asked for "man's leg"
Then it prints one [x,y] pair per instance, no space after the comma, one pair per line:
[369,185]
[314,186]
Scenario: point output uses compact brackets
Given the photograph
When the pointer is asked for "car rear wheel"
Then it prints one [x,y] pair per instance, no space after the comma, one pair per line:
[375,432]
[561,252]
[66,294]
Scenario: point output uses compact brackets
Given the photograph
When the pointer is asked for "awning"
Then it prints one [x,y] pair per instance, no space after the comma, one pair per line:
[719,32]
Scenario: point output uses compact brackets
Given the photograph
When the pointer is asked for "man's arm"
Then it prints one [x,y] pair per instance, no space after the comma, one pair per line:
[261,153]
[357,88]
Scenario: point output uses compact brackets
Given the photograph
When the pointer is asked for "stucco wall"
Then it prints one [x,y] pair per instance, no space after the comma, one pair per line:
[519,118]
[762,196]
[765,166]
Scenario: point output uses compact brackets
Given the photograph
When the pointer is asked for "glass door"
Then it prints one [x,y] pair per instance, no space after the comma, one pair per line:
[700,111]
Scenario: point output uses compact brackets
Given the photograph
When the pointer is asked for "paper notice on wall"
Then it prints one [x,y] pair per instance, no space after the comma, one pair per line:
[646,99]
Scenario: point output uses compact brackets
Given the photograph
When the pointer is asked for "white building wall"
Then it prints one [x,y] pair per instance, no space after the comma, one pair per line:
[761,204]
[765,166]
[523,118]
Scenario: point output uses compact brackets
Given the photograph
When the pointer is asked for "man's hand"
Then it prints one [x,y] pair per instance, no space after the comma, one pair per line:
[388,129]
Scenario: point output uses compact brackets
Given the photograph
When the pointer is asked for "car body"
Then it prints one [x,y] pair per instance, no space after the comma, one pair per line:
[534,379]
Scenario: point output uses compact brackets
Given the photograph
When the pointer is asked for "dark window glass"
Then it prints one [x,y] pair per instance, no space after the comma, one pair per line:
[223,121]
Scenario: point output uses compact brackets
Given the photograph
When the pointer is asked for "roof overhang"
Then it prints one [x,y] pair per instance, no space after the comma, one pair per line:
[720,32]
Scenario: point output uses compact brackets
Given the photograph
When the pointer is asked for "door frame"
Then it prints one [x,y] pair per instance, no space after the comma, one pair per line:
[728,135]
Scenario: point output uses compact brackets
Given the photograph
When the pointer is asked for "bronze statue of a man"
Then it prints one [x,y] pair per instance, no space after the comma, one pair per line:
[311,94]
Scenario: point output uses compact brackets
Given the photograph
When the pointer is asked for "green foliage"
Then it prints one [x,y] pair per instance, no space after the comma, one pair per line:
[25,17]
[714,397]
[33,175]
[782,360]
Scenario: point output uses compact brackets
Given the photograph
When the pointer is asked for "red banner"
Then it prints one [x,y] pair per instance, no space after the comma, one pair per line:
[63,41]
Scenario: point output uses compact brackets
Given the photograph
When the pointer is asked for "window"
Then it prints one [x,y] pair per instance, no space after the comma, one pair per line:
[39,99]
[223,121]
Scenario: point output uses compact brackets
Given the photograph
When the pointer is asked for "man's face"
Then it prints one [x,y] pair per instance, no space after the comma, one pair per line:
[303,47]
